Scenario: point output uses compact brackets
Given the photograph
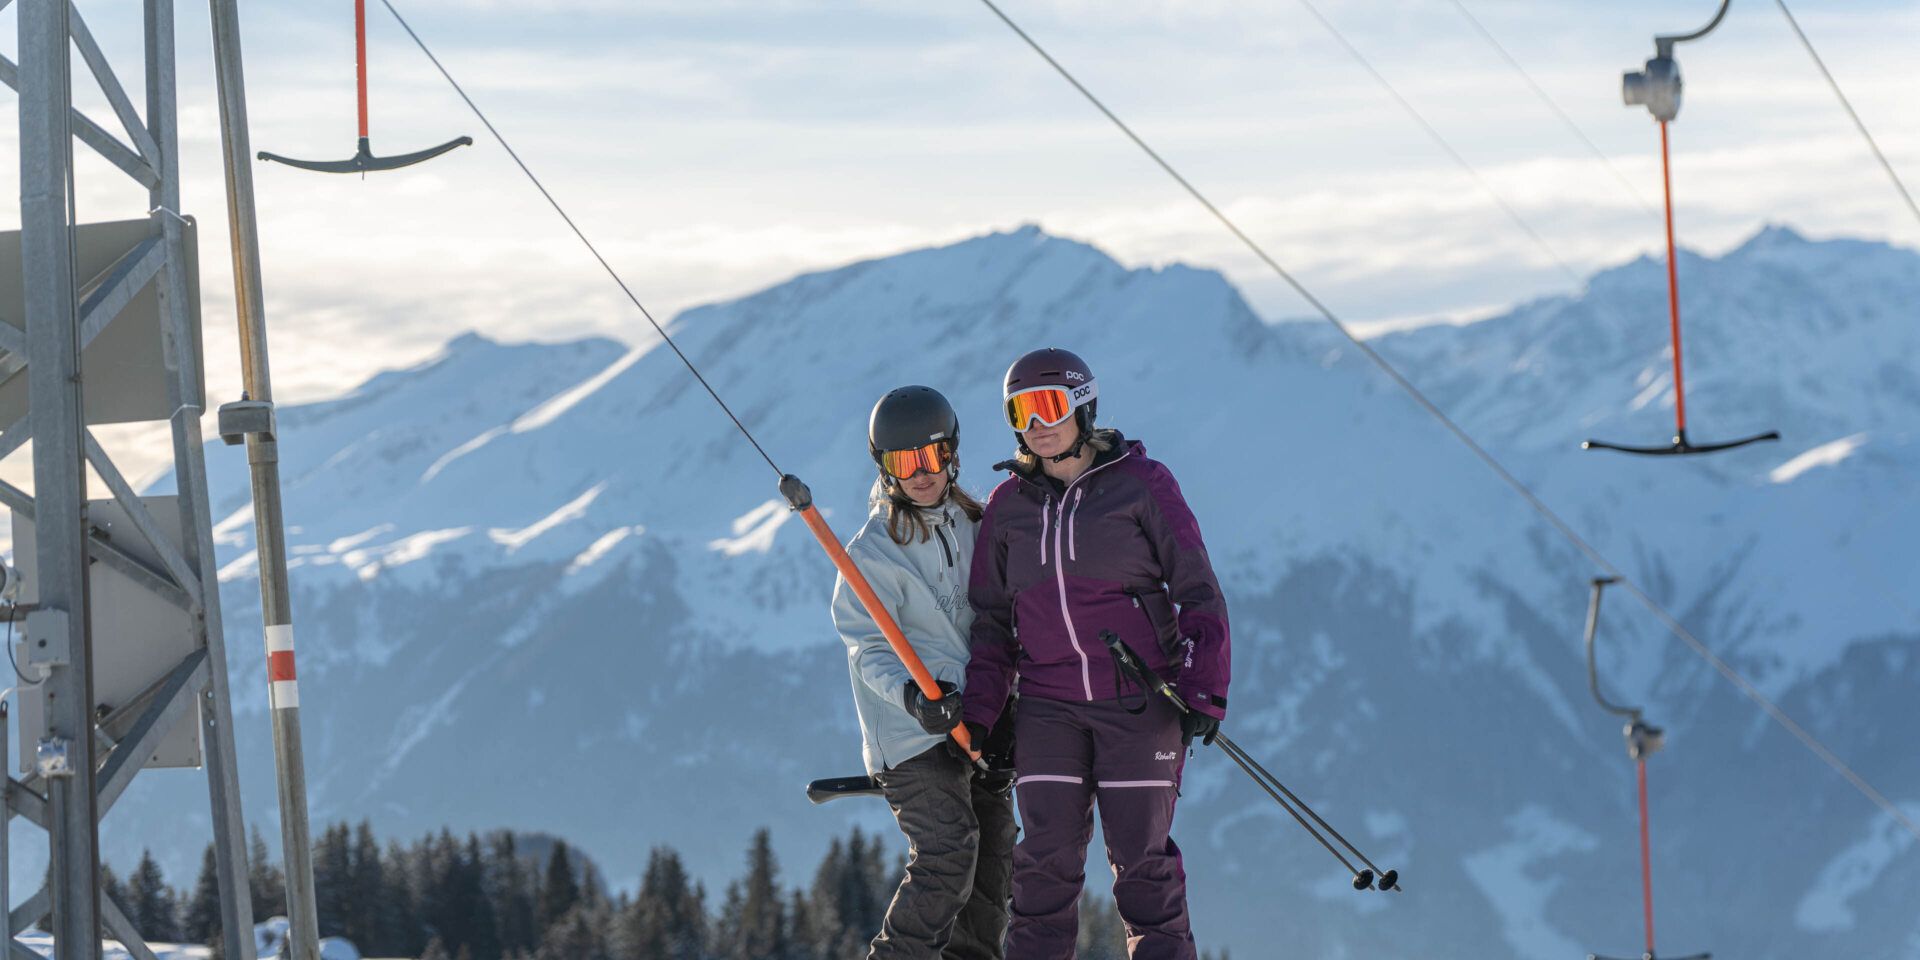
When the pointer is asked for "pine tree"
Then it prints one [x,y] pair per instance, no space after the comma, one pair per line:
[668,919]
[800,928]
[201,922]
[579,934]
[331,855]
[403,934]
[510,888]
[361,921]
[560,891]
[110,886]
[149,904]
[728,928]
[851,890]
[760,929]
[264,879]
[483,929]
[434,868]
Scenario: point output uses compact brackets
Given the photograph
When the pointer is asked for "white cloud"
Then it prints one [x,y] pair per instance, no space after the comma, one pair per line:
[710,148]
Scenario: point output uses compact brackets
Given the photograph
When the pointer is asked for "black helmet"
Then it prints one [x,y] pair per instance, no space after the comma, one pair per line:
[909,418]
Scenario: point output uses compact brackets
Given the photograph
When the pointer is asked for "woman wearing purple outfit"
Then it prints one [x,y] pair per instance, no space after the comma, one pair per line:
[1087,536]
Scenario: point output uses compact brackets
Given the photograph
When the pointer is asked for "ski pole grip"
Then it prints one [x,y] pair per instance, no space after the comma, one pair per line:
[1131,662]
[801,500]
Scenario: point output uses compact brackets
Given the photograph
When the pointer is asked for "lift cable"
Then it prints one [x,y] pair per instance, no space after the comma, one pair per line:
[576,232]
[1434,133]
[1573,537]
[1554,105]
[1846,105]
[792,489]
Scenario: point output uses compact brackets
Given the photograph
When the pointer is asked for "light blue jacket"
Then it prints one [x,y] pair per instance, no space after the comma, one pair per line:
[924,586]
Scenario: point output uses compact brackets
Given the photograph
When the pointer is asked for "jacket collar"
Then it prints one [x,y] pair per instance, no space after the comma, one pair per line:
[1036,481]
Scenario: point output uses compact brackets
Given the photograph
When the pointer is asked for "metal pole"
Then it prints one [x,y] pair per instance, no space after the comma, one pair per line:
[57,633]
[6,822]
[185,389]
[263,460]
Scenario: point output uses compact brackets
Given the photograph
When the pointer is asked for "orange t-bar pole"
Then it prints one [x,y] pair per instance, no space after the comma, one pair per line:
[801,500]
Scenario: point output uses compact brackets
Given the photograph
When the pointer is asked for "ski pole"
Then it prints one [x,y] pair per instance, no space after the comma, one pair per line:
[1389,879]
[801,500]
[1362,879]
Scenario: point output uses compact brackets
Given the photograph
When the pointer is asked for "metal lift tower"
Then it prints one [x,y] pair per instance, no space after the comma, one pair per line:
[120,647]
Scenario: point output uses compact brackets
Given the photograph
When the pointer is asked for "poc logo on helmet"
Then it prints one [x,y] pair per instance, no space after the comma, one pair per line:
[1081,393]
[1072,375]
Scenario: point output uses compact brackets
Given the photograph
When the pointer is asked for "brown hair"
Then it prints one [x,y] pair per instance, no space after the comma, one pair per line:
[1099,441]
[907,521]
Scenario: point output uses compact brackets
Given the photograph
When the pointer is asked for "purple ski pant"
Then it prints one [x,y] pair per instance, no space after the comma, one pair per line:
[1071,756]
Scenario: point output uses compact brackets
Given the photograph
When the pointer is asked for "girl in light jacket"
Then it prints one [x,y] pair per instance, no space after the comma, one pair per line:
[1090,536]
[915,550]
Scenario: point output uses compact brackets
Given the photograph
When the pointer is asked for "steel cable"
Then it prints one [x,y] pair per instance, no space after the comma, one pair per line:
[1847,105]
[583,237]
[1573,537]
[1435,134]
[1554,105]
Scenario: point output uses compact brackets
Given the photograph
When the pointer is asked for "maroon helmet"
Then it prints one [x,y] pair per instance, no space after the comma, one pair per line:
[1049,385]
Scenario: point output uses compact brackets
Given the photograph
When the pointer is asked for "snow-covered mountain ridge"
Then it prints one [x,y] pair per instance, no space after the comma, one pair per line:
[548,587]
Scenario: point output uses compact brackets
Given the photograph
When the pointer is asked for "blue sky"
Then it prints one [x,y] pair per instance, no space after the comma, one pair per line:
[716,146]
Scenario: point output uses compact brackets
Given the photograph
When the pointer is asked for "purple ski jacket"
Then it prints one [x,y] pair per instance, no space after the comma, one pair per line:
[1118,551]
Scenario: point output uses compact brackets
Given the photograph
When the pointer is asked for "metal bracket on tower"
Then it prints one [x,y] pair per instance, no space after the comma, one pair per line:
[51,759]
[243,417]
[48,643]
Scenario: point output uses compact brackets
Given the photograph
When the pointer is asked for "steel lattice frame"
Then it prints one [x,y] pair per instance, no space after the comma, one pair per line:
[68,799]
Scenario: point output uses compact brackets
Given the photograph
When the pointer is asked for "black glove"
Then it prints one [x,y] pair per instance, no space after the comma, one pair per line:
[936,717]
[1193,723]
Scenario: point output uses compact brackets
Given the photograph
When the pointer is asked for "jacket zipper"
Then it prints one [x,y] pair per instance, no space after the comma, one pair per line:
[1060,569]
[1046,513]
[1066,615]
[1077,497]
[944,549]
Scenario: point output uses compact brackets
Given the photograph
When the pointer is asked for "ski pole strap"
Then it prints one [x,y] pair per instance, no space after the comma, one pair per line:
[1125,659]
[801,500]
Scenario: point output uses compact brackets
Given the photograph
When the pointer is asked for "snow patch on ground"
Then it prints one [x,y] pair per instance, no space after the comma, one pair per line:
[552,409]
[239,567]
[227,533]
[1824,455]
[368,562]
[343,544]
[1854,871]
[41,943]
[1519,897]
[754,532]
[573,510]
[460,451]
[601,547]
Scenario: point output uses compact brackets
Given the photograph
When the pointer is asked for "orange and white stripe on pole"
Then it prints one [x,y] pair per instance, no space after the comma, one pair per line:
[282,688]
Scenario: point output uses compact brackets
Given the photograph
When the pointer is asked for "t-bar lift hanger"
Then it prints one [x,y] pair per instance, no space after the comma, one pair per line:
[363,159]
[1658,89]
[1642,740]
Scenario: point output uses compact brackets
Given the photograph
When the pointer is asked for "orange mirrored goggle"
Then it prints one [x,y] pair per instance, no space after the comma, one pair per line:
[1049,405]
[903,464]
